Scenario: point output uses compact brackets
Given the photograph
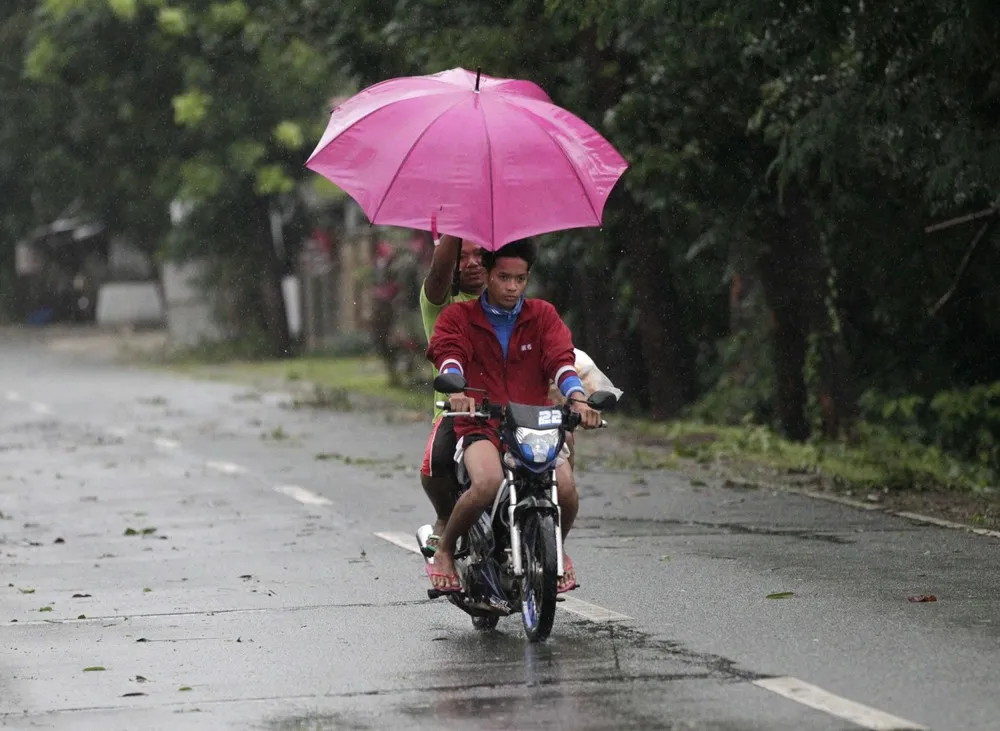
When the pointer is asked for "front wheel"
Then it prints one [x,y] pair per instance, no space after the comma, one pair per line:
[538,585]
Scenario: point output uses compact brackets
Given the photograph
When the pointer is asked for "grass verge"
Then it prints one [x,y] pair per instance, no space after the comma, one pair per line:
[340,384]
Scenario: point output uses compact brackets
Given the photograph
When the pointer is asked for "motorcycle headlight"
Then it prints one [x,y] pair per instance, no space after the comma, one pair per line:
[537,445]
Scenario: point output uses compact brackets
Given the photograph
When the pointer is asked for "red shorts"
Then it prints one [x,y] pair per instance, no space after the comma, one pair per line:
[439,456]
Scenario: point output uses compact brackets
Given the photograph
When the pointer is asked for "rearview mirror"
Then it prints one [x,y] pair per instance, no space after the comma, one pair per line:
[450,383]
[602,400]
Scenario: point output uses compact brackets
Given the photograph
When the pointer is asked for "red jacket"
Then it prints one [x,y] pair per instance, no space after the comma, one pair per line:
[540,351]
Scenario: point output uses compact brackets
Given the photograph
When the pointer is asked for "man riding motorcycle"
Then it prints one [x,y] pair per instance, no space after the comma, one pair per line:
[512,348]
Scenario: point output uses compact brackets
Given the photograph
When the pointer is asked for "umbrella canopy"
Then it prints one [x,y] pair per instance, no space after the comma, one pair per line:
[490,160]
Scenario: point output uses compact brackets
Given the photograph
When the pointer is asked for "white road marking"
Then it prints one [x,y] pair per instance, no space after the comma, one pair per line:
[13,396]
[588,611]
[39,408]
[226,468]
[168,444]
[302,495]
[593,612]
[403,540]
[809,695]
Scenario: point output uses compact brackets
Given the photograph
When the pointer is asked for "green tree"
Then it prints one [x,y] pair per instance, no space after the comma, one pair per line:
[208,103]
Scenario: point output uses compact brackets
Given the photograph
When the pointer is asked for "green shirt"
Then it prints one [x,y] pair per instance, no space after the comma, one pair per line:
[429,314]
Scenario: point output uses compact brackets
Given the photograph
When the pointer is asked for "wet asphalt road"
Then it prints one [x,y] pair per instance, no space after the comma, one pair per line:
[259,596]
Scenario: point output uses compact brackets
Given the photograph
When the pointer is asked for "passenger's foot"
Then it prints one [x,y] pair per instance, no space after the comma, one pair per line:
[442,573]
[568,579]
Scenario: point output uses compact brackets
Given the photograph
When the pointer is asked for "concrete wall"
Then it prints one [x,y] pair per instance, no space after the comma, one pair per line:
[190,312]
[129,303]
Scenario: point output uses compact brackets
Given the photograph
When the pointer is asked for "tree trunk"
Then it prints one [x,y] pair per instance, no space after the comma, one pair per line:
[269,283]
[668,355]
[797,291]
[603,334]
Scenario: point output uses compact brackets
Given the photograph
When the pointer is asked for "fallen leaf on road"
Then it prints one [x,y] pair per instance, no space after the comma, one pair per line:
[246,576]
[59,540]
[146,590]
[26,591]
[641,493]
[664,558]
[781,595]
[81,596]
[922,598]
[94,669]
[131,532]
[184,688]
[142,639]
[148,531]
[45,609]
[132,695]
[82,616]
[140,679]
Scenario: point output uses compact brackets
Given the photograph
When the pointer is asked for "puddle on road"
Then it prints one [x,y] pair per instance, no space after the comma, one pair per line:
[586,677]
[318,722]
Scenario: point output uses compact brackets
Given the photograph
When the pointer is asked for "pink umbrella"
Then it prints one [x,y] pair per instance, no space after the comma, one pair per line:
[491,160]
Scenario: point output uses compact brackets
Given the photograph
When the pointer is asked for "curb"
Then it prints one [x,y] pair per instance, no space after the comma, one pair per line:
[914,517]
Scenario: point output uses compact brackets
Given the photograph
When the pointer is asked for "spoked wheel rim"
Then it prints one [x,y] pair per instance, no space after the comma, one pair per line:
[531,582]
[538,585]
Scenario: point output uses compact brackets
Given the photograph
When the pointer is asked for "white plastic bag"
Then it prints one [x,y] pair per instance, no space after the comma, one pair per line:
[594,379]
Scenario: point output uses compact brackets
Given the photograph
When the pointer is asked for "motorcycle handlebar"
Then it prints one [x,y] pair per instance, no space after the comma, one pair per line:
[572,422]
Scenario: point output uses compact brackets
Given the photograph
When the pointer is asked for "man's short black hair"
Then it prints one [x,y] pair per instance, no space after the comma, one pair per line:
[522,249]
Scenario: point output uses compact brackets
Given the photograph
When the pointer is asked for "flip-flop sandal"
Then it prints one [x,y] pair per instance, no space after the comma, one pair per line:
[455,583]
[567,572]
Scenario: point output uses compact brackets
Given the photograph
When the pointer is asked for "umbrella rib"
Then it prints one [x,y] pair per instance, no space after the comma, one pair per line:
[489,160]
[534,120]
[402,163]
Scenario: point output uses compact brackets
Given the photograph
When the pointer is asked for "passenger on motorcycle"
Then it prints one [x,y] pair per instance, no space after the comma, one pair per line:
[512,348]
[446,282]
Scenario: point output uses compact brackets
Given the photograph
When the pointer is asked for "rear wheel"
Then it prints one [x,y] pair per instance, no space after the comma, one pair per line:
[538,585]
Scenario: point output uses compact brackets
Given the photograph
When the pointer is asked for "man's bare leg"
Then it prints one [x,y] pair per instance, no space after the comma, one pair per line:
[441,491]
[569,505]
[482,463]
[569,500]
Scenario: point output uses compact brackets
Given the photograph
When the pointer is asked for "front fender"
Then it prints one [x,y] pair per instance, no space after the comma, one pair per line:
[534,504]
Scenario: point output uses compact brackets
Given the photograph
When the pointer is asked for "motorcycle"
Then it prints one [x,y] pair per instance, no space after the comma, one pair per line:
[512,558]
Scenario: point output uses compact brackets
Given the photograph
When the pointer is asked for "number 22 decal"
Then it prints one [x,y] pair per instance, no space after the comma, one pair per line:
[550,418]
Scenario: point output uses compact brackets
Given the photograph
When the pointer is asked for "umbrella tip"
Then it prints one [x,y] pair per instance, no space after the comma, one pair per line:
[479,71]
